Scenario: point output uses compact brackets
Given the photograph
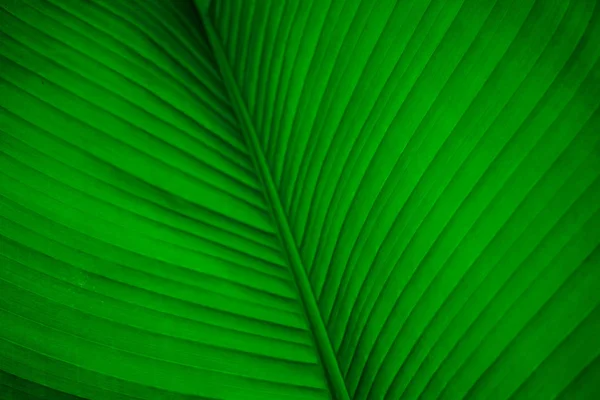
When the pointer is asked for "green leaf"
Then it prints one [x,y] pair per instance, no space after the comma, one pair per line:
[302,199]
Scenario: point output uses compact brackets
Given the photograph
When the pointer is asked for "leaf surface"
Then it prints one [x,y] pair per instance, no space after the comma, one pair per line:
[299,199]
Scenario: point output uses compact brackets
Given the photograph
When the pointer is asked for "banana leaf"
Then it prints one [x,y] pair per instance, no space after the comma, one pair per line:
[299,199]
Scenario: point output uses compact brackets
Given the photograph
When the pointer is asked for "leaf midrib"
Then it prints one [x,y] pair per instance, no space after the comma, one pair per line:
[284,233]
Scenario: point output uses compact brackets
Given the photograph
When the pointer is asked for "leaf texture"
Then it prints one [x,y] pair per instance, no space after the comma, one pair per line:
[438,164]
[297,199]
[139,257]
